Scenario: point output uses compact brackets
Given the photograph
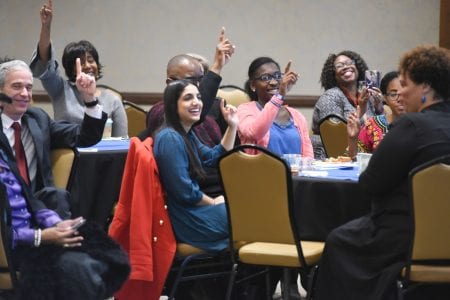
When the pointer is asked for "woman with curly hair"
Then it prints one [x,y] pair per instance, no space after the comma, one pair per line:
[363,258]
[340,75]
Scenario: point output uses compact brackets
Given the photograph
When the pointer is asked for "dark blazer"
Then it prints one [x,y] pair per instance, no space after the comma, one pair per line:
[47,135]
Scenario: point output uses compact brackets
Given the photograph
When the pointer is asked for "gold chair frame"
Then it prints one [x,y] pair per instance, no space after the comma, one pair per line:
[260,206]
[429,256]
[333,133]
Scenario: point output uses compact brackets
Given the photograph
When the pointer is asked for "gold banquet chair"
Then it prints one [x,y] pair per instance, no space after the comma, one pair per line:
[234,95]
[62,161]
[136,115]
[136,118]
[333,133]
[260,206]
[429,257]
[191,263]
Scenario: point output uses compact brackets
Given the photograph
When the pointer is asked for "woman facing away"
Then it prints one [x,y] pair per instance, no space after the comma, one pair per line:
[363,258]
[68,104]
[340,75]
[366,138]
[197,219]
[266,120]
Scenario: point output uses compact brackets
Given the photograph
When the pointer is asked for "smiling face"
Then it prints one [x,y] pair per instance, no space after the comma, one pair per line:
[345,70]
[410,94]
[189,106]
[89,65]
[18,85]
[266,89]
[392,97]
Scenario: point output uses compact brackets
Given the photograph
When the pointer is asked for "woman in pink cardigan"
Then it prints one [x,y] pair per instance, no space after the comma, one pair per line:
[267,120]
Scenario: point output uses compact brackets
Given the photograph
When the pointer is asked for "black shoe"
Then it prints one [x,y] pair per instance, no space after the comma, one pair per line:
[294,294]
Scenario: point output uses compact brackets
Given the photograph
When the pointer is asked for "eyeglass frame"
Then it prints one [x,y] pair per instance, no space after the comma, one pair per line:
[391,96]
[270,77]
[192,79]
[341,65]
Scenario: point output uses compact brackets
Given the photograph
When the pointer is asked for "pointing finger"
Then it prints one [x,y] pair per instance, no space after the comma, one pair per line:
[78,66]
[288,67]
[222,34]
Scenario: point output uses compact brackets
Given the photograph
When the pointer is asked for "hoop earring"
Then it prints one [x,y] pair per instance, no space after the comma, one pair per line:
[424,99]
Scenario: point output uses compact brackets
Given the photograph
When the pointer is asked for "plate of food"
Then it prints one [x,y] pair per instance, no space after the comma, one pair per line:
[340,162]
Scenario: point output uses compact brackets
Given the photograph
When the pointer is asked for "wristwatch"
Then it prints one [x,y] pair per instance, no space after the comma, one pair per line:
[92,103]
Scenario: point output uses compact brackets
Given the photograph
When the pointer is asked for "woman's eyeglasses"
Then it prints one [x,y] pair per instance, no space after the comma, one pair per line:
[393,96]
[269,77]
[341,65]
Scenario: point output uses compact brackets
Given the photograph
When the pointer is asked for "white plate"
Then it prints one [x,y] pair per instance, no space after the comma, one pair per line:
[323,165]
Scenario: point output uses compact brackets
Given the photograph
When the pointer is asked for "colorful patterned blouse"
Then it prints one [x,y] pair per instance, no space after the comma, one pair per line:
[372,133]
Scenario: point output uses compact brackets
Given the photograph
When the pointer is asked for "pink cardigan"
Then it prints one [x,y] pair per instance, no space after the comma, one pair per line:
[254,125]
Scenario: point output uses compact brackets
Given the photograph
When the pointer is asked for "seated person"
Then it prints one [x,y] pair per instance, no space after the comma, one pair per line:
[208,132]
[340,75]
[367,138]
[190,67]
[363,258]
[29,133]
[56,260]
[266,120]
[67,100]
[197,218]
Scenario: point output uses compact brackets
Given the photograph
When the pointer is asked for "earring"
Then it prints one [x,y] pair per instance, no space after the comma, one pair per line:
[424,99]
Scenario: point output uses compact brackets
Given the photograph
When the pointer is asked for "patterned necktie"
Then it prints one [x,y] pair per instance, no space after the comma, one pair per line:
[20,152]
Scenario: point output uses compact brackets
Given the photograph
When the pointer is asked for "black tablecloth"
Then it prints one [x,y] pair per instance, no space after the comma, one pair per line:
[95,183]
[323,204]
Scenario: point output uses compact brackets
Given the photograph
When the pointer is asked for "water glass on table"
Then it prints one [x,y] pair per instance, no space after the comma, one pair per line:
[294,161]
[363,160]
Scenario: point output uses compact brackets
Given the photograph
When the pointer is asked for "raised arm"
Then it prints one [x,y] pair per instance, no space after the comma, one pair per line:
[289,79]
[229,113]
[46,14]
[353,128]
[224,51]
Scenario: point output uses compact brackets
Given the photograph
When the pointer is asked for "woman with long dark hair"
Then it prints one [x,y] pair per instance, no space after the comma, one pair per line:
[197,218]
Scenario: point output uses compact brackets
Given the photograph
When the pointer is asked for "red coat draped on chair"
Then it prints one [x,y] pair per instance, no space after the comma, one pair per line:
[141,225]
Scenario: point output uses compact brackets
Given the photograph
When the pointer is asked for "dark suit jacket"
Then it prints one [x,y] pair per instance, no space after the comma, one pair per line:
[47,135]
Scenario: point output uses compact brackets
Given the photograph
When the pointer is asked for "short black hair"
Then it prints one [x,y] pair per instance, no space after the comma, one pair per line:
[254,66]
[76,50]
[387,78]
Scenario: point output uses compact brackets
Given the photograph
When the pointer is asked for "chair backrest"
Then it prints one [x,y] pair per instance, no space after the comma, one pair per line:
[333,133]
[62,162]
[234,95]
[136,118]
[136,115]
[430,200]
[8,278]
[258,189]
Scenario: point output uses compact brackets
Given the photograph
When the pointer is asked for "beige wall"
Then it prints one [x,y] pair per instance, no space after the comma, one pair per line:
[135,38]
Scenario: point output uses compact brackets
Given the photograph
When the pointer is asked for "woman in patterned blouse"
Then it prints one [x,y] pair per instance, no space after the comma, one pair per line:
[367,138]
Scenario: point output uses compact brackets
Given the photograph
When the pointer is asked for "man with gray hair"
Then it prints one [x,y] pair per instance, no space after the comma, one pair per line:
[28,133]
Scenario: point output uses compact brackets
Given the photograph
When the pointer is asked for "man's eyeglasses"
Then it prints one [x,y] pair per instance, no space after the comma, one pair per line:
[393,96]
[192,79]
[269,77]
[341,65]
